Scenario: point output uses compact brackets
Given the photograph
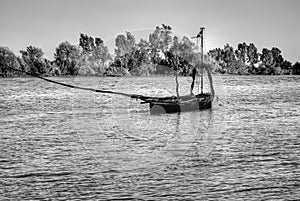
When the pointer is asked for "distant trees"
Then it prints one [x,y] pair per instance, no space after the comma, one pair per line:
[94,55]
[34,61]
[100,55]
[246,60]
[157,51]
[161,38]
[296,68]
[66,58]
[7,60]
[132,56]
[86,43]
[159,42]
[126,51]
[186,52]
[247,54]
[88,58]
[91,57]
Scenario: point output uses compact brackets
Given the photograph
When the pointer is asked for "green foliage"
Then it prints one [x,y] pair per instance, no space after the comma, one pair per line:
[159,42]
[247,54]
[91,57]
[185,49]
[144,70]
[287,67]
[228,55]
[241,52]
[125,44]
[7,60]
[33,59]
[252,54]
[278,59]
[87,43]
[161,38]
[66,58]
[296,68]
[267,58]
[246,60]
[238,68]
[126,52]
[98,42]
[144,52]
[94,56]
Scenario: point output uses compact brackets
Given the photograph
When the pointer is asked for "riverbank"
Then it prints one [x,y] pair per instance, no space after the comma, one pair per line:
[147,70]
[152,75]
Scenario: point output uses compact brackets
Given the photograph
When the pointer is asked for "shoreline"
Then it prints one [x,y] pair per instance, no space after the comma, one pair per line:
[152,75]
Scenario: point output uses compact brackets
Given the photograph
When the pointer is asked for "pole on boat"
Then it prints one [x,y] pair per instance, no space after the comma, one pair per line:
[201,37]
[176,76]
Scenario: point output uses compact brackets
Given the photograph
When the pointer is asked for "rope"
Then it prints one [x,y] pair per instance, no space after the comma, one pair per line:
[78,87]
[221,101]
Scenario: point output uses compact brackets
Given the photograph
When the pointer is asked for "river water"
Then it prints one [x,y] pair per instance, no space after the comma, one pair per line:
[58,143]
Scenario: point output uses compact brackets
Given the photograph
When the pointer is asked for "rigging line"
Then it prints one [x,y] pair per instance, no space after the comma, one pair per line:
[77,87]
[202,54]
[198,67]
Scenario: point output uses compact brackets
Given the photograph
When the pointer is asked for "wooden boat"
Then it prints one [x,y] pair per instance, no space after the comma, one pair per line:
[173,104]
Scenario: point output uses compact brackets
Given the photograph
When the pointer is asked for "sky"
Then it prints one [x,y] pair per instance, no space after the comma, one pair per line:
[46,23]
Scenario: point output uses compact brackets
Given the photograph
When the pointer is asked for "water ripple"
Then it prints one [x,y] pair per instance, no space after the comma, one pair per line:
[61,144]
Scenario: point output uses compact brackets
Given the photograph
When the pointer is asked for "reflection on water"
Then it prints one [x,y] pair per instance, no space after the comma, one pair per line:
[58,143]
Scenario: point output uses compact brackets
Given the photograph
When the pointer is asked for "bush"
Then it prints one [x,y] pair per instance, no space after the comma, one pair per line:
[144,70]
[296,68]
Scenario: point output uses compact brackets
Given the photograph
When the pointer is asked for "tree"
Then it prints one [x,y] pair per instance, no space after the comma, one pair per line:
[271,60]
[267,61]
[94,55]
[125,44]
[217,55]
[87,43]
[98,42]
[252,54]
[228,54]
[160,41]
[296,68]
[175,47]
[33,58]
[277,58]
[99,56]
[287,67]
[242,52]
[126,51]
[154,39]
[144,52]
[66,58]
[185,50]
[165,37]
[7,60]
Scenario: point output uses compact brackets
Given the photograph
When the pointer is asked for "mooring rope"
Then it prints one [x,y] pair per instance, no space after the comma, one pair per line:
[78,87]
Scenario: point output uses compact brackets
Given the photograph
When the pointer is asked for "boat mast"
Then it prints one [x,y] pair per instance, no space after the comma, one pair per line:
[201,38]
[176,63]
[200,35]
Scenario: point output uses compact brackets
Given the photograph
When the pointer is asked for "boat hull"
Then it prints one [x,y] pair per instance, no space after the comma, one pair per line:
[199,102]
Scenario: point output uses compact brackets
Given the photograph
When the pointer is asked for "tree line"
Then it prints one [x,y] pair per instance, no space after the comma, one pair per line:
[91,57]
[246,59]
[87,58]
